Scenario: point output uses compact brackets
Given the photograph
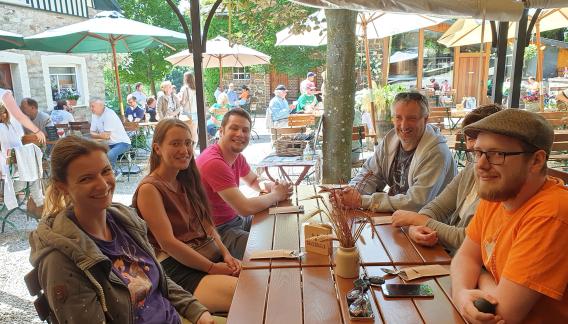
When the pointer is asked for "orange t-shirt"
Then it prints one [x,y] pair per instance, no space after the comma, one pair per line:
[530,247]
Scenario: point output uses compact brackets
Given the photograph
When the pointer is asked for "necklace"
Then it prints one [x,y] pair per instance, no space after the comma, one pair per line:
[489,246]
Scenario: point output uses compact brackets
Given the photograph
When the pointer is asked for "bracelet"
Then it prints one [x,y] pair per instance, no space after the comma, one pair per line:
[39,130]
[211,266]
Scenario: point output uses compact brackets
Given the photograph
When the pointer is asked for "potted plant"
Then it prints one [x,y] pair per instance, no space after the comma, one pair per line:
[532,102]
[69,94]
[382,97]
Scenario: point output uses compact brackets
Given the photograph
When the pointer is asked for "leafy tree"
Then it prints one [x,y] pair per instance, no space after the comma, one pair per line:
[148,66]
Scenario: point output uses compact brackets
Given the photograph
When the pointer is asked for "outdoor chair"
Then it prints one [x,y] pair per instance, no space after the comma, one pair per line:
[563,175]
[40,303]
[253,108]
[460,149]
[127,159]
[358,134]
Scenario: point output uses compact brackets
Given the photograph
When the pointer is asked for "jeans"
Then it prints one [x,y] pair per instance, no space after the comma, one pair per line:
[234,234]
[116,150]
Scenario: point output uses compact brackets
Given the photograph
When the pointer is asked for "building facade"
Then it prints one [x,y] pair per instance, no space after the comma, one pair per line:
[42,75]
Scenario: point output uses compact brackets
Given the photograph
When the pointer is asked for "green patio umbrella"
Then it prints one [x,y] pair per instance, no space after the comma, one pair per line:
[107,32]
[10,40]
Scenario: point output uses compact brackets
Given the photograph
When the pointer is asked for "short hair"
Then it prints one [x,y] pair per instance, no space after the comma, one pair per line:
[131,96]
[150,100]
[95,100]
[223,99]
[479,113]
[30,102]
[164,84]
[137,85]
[417,97]
[235,112]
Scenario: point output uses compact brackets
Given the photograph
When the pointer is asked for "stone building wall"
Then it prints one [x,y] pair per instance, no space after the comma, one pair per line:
[27,21]
[259,85]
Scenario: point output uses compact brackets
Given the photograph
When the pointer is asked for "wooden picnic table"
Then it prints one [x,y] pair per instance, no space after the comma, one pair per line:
[306,290]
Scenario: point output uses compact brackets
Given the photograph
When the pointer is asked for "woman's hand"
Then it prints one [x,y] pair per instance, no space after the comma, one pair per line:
[40,136]
[221,268]
[233,263]
[205,318]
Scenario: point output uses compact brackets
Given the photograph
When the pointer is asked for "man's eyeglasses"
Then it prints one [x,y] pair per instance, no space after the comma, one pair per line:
[493,157]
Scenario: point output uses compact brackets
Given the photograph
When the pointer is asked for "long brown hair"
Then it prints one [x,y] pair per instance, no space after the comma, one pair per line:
[189,178]
[189,80]
[65,151]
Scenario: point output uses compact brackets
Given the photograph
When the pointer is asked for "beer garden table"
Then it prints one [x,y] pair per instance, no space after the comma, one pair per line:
[306,290]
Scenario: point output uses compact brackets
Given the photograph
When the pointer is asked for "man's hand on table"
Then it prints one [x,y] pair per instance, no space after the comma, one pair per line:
[464,302]
[348,198]
[423,235]
[281,190]
[405,218]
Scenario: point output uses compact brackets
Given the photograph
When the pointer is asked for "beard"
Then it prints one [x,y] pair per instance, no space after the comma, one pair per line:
[508,191]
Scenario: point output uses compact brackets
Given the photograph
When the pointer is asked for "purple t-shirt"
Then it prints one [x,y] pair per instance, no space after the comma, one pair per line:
[139,273]
[217,175]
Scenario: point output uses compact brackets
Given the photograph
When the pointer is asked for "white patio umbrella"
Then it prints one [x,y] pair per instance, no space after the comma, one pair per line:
[10,40]
[220,53]
[370,25]
[107,32]
[379,24]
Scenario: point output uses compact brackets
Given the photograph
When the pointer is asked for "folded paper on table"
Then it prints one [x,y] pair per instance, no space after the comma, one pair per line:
[276,254]
[423,271]
[381,220]
[313,245]
[286,210]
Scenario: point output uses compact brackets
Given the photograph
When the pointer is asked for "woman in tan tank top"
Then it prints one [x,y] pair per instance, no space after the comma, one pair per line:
[173,203]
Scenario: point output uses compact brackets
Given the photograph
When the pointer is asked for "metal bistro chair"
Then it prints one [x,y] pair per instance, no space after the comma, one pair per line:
[128,158]
[253,107]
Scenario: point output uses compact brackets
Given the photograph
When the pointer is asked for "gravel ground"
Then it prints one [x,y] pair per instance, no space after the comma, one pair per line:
[16,305]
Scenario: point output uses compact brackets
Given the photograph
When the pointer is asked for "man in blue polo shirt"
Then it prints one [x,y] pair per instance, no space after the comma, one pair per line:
[278,107]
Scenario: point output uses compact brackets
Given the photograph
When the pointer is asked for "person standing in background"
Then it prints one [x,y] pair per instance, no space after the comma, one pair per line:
[168,103]
[188,101]
[233,97]
[140,95]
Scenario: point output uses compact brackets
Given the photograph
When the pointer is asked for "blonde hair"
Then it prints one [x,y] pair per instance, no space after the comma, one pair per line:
[164,84]
[223,99]
[65,151]
[3,110]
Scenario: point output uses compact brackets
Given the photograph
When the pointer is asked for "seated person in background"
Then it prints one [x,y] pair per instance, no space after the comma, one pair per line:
[222,166]
[413,159]
[151,108]
[307,101]
[217,111]
[519,232]
[278,108]
[39,118]
[445,218]
[445,87]
[232,95]
[60,115]
[173,203]
[11,132]
[533,87]
[94,261]
[134,113]
[244,97]
[106,125]
[562,99]
[434,85]
[7,99]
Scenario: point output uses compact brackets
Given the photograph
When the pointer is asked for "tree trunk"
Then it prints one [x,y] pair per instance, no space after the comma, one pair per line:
[151,76]
[339,95]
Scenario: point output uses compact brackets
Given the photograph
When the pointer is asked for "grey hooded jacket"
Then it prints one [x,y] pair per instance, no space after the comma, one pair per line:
[444,210]
[431,169]
[77,278]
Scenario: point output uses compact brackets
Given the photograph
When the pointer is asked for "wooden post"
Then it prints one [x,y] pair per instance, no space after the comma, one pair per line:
[485,74]
[386,60]
[539,68]
[420,64]
[115,62]
[369,78]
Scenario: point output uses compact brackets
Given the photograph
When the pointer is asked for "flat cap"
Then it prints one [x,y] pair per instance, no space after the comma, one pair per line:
[526,126]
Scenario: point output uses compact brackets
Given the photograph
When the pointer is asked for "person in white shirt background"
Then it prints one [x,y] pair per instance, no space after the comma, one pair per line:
[60,115]
[106,125]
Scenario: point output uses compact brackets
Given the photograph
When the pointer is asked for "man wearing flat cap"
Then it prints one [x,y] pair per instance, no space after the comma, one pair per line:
[519,232]
[278,108]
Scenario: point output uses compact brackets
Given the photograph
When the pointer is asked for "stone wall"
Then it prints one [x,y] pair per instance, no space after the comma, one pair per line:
[27,21]
[259,85]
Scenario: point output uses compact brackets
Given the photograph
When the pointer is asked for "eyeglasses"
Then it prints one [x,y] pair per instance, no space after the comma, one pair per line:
[493,157]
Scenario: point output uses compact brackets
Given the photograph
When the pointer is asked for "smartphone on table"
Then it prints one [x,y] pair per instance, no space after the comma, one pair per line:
[407,290]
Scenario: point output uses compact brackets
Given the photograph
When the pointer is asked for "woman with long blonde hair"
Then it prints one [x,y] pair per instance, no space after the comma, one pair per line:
[93,257]
[173,202]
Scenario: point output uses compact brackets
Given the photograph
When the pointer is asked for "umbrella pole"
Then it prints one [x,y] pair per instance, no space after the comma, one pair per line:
[120,103]
[369,78]
[220,73]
